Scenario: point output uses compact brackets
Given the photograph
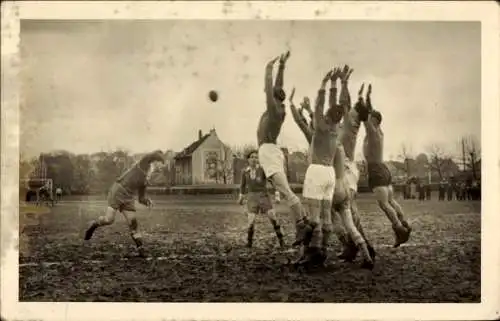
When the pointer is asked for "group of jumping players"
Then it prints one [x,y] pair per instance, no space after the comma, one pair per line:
[330,184]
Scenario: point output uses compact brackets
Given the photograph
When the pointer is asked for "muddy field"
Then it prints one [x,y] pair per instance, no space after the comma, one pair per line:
[197,253]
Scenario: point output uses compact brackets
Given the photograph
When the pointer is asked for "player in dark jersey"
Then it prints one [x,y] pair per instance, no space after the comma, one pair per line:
[271,157]
[121,198]
[379,176]
[253,188]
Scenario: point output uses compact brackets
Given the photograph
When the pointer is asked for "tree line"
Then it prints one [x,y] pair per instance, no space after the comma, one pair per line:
[94,173]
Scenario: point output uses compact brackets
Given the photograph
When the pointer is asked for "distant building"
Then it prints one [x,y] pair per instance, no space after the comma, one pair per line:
[205,161]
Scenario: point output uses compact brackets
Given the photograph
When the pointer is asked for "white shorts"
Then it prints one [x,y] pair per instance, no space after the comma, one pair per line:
[271,159]
[319,183]
[351,174]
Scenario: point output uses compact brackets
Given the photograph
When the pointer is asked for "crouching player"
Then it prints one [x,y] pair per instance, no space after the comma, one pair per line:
[254,189]
[121,198]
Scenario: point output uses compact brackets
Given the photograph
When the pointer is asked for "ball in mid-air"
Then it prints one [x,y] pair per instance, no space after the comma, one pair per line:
[213,95]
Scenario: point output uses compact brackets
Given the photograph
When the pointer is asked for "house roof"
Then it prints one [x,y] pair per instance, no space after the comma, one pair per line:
[188,151]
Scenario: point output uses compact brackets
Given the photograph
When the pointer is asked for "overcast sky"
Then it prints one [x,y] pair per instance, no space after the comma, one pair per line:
[91,86]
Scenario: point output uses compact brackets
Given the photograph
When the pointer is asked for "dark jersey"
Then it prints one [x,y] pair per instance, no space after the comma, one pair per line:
[253,180]
[133,180]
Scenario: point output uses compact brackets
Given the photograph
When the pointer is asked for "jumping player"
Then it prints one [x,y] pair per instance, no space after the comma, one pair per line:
[341,209]
[379,176]
[319,182]
[121,198]
[271,157]
[348,137]
[253,188]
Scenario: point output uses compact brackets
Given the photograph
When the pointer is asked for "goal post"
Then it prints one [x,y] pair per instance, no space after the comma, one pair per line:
[35,184]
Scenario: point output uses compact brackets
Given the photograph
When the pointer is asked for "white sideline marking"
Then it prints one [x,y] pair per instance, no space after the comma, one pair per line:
[211,256]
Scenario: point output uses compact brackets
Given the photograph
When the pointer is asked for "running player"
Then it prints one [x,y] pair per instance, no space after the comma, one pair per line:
[271,157]
[253,188]
[121,198]
[379,176]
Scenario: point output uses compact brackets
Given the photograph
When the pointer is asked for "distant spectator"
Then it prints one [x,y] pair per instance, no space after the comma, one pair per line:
[428,191]
[442,189]
[450,188]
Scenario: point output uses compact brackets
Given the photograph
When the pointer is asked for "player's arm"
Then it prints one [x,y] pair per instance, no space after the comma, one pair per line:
[268,86]
[319,105]
[243,187]
[345,97]
[142,196]
[300,119]
[369,127]
[332,99]
[280,75]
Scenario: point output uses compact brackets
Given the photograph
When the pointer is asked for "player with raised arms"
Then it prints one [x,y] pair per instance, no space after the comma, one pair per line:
[379,176]
[253,188]
[319,182]
[271,157]
[341,209]
[348,137]
[121,198]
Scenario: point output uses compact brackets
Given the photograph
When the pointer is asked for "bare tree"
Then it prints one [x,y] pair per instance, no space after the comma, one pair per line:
[225,166]
[241,151]
[405,154]
[437,159]
[471,154]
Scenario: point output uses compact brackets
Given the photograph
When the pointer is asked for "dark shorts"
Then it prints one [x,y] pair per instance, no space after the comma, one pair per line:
[120,199]
[378,175]
[259,203]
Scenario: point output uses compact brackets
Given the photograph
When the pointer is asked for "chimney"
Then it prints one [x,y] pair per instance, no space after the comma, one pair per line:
[200,134]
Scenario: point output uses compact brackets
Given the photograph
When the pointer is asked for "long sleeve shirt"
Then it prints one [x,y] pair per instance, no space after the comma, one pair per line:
[253,180]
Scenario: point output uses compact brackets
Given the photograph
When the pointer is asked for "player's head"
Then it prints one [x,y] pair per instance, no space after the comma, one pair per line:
[155,156]
[253,158]
[335,114]
[376,117]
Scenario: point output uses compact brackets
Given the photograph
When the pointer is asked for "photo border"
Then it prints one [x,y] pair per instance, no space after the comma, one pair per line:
[486,12]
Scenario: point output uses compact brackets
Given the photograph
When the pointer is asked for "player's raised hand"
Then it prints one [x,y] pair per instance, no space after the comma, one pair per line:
[284,57]
[336,74]
[272,61]
[368,98]
[360,105]
[346,73]
[326,78]
[360,92]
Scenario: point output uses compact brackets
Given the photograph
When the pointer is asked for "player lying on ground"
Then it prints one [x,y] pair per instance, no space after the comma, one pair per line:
[379,176]
[342,197]
[348,137]
[253,188]
[271,157]
[121,198]
[319,182]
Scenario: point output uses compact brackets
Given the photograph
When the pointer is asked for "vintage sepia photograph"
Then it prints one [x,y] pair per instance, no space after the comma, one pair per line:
[250,160]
